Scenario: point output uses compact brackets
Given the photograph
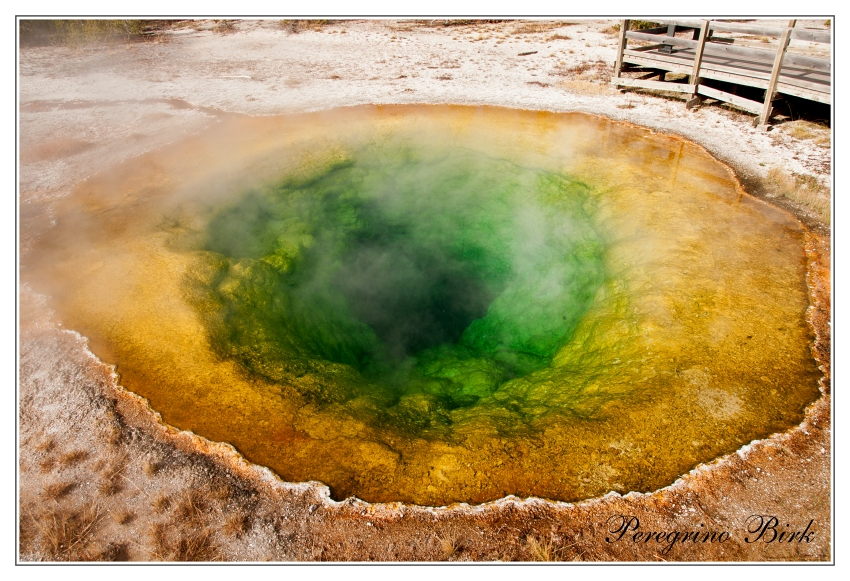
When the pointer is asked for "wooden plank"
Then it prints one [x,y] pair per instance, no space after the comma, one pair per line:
[745,104]
[761,79]
[801,86]
[752,54]
[804,93]
[659,30]
[808,62]
[803,83]
[764,56]
[621,46]
[743,28]
[709,73]
[645,48]
[760,69]
[680,63]
[667,65]
[703,35]
[822,36]
[671,40]
[774,77]
[658,85]
[799,60]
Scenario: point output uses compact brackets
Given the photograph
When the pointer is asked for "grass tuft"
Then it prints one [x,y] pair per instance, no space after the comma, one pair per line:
[808,191]
[535,27]
[302,25]
[542,550]
[800,129]
[56,490]
[122,517]
[59,534]
[236,525]
[168,544]
[450,545]
[150,467]
[588,88]
[72,458]
[161,503]
[47,445]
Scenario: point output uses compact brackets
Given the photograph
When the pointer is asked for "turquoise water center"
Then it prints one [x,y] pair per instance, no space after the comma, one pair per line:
[429,278]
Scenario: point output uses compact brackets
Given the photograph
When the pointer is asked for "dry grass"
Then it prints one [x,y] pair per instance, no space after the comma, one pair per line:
[296,26]
[542,550]
[536,27]
[110,482]
[150,467]
[56,490]
[587,78]
[114,435]
[450,545]
[60,534]
[47,445]
[612,30]
[122,516]
[161,503]
[193,505]
[236,525]
[588,88]
[224,26]
[170,544]
[109,486]
[559,37]
[808,191]
[800,129]
[72,458]
[586,71]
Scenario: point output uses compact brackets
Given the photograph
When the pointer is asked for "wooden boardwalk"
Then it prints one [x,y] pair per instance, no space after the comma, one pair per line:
[706,56]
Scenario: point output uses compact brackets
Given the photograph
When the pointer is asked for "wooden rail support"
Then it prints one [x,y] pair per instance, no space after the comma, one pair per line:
[761,121]
[621,46]
[694,78]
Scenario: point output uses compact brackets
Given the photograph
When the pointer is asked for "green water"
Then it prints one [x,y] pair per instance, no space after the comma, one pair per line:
[421,281]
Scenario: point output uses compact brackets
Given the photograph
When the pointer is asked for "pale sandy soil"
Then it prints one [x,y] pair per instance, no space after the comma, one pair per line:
[100,478]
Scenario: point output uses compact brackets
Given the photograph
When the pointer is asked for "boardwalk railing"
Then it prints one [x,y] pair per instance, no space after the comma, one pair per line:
[706,56]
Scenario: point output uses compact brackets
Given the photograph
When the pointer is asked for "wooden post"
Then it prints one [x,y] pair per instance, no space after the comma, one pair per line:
[624,26]
[694,80]
[761,121]
[671,31]
[792,23]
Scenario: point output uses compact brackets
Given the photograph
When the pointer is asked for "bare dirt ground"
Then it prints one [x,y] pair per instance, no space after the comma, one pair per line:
[102,479]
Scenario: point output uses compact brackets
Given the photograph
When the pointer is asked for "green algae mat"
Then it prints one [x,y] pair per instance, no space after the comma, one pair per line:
[442,304]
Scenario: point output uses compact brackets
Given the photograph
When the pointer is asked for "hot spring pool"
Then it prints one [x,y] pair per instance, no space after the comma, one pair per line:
[437,304]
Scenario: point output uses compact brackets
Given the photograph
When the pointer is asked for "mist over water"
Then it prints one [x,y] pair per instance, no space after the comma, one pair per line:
[431,271]
[440,304]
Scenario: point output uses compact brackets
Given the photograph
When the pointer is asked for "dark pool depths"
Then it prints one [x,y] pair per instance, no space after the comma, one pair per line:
[426,270]
[442,304]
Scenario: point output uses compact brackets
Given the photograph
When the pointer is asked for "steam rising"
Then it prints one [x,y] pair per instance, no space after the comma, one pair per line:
[427,272]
